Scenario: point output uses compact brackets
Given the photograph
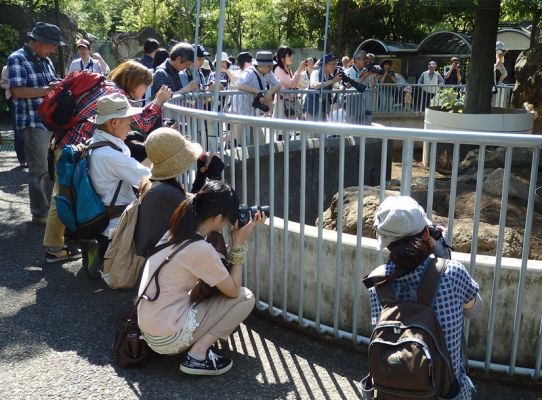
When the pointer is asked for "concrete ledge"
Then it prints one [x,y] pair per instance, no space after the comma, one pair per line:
[273,282]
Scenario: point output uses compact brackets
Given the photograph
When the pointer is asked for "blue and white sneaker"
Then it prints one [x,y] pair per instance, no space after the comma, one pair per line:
[213,365]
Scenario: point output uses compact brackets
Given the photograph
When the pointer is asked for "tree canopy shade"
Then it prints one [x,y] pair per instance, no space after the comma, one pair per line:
[270,23]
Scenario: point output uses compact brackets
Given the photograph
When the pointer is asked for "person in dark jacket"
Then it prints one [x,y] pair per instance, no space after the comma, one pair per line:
[172,155]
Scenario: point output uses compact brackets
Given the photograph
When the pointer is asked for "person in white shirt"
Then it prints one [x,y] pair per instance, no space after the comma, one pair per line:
[85,62]
[112,166]
[431,78]
[259,81]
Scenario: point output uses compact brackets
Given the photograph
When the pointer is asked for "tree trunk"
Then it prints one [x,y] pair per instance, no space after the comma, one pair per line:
[481,75]
[535,29]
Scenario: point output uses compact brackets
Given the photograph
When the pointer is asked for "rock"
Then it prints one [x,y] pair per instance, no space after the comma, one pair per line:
[493,184]
[528,86]
[12,15]
[463,224]
[521,161]
[130,44]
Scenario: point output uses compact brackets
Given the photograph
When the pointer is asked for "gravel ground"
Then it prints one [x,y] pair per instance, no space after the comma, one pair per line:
[57,327]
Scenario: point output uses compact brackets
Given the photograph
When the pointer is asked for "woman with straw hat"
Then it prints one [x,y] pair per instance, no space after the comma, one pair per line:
[172,155]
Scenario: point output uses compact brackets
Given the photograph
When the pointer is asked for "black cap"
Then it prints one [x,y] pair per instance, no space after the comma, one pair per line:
[201,51]
[243,58]
[47,33]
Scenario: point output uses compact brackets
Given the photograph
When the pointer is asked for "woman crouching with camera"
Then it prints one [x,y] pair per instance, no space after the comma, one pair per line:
[171,322]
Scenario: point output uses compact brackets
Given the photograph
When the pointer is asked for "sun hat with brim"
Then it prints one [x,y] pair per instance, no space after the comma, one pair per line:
[263,59]
[47,33]
[398,217]
[171,153]
[82,43]
[206,65]
[113,105]
[223,57]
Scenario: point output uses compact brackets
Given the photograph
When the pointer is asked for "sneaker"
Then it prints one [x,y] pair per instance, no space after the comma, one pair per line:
[214,364]
[39,220]
[65,254]
[92,263]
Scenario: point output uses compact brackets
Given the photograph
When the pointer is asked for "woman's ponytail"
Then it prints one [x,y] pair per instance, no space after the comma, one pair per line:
[183,223]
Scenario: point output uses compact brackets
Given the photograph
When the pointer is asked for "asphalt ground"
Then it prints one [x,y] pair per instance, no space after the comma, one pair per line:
[57,328]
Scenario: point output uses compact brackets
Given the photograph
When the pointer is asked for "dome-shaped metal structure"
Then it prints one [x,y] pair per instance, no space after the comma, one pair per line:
[446,43]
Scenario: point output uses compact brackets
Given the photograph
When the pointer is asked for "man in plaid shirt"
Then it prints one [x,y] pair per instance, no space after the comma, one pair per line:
[31,77]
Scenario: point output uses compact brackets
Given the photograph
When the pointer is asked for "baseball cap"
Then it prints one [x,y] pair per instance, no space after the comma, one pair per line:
[201,51]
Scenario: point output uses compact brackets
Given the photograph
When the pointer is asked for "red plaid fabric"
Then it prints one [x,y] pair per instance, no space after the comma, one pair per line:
[84,129]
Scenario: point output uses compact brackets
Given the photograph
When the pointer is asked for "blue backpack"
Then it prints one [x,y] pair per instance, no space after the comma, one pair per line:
[78,205]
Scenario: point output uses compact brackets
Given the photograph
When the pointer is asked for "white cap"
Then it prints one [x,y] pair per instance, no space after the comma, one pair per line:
[398,217]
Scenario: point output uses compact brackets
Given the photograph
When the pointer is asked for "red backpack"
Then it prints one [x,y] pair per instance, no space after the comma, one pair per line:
[58,108]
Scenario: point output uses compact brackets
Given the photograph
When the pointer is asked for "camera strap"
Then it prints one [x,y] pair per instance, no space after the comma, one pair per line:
[259,79]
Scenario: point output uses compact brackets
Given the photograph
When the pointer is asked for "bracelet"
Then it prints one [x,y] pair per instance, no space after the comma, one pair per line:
[237,254]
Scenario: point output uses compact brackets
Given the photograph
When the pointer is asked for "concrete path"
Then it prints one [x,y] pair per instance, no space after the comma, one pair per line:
[57,328]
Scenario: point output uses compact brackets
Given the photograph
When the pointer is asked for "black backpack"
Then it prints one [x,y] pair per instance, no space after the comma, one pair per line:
[408,356]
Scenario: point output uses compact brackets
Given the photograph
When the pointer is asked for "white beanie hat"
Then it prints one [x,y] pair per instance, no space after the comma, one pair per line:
[398,217]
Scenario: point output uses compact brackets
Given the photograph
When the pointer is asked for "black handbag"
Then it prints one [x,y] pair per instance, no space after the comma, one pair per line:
[129,346]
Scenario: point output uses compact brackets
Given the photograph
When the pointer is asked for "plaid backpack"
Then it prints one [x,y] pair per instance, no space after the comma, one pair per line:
[58,108]
[408,356]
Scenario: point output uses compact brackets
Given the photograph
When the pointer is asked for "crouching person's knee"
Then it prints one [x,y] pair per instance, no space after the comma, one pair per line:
[246,300]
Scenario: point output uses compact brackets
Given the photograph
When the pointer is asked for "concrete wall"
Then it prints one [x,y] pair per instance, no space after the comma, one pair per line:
[483,274]
[373,150]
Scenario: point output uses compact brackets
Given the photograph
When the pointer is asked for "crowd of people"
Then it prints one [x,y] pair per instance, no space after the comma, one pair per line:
[173,227]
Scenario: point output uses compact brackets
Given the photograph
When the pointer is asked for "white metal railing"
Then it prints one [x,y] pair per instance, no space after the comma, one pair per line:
[256,183]
[404,98]
[338,105]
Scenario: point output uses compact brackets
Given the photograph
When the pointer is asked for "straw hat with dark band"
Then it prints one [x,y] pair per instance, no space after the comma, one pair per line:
[171,153]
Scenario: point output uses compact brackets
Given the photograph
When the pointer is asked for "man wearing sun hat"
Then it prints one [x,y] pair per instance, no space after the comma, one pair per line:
[31,76]
[111,165]
[260,81]
[86,62]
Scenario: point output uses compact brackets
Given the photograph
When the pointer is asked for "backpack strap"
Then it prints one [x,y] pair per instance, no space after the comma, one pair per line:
[430,282]
[155,274]
[112,210]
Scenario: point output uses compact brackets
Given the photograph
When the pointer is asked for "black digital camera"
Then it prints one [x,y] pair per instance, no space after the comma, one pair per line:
[345,79]
[246,213]
[257,103]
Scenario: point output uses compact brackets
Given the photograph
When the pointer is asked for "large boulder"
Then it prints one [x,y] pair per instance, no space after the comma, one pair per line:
[11,15]
[488,227]
[128,45]
[528,88]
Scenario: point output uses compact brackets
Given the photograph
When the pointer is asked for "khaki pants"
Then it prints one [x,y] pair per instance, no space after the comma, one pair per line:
[54,229]
[218,315]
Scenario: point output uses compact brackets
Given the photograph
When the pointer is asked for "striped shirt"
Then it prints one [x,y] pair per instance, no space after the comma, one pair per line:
[26,69]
